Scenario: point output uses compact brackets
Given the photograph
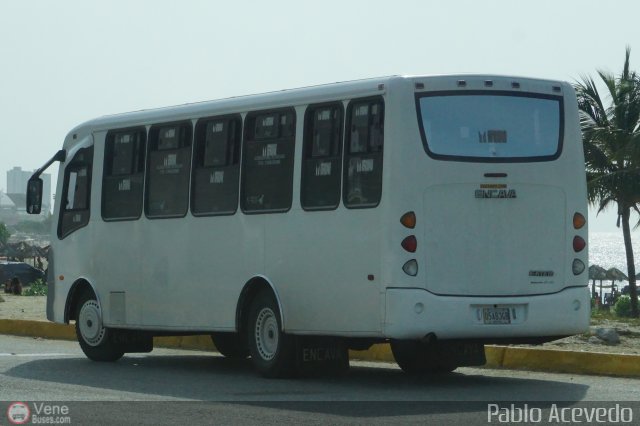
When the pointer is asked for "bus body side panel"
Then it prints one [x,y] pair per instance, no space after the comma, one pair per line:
[194,279]
[322,270]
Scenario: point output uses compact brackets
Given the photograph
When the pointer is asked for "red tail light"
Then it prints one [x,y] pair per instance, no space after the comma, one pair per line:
[410,244]
[579,244]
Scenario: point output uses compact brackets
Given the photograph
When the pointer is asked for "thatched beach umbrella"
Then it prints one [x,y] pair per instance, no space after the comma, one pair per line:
[615,274]
[597,272]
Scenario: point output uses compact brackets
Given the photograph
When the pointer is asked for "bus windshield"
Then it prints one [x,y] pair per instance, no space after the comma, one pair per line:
[491,127]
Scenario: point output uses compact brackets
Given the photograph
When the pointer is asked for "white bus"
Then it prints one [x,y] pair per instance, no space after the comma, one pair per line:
[435,213]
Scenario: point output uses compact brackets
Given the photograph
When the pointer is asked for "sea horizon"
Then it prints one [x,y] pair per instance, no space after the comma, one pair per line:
[606,249]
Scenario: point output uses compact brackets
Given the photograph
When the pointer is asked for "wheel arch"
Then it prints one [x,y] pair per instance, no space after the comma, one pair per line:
[73,296]
[249,291]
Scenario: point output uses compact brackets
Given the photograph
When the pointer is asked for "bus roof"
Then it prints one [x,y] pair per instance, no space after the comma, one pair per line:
[282,98]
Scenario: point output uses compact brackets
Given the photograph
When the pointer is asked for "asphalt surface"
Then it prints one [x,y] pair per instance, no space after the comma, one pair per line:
[177,386]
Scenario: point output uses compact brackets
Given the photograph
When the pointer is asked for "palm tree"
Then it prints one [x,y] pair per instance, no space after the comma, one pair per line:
[611,138]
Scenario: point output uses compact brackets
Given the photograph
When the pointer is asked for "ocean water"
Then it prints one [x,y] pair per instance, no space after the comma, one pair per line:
[607,249]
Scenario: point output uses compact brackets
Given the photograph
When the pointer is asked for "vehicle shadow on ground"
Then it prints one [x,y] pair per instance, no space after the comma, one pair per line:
[361,393]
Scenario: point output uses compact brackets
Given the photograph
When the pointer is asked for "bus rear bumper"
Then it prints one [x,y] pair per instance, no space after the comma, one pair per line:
[415,313]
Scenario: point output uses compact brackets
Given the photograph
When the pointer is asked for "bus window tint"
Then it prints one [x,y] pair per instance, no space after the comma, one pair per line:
[78,190]
[363,159]
[76,193]
[216,166]
[491,127]
[267,169]
[321,165]
[168,170]
[123,177]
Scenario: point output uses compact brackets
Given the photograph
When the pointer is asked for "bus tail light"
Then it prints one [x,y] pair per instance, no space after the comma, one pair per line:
[577,266]
[411,268]
[579,244]
[408,220]
[578,220]
[410,244]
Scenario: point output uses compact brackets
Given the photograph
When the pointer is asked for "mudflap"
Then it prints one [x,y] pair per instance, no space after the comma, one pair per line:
[132,341]
[461,353]
[320,356]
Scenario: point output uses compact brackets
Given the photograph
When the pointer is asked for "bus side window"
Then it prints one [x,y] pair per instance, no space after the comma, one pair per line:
[267,161]
[168,170]
[216,170]
[123,176]
[363,159]
[321,165]
[76,193]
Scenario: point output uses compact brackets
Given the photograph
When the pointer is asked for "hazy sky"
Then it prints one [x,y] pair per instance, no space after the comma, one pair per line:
[65,62]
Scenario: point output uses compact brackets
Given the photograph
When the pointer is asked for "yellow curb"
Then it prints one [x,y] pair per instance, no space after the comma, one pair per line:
[47,330]
[507,357]
[571,362]
[202,343]
[380,352]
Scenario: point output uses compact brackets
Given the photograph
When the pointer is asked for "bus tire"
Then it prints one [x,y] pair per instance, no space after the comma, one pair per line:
[95,339]
[230,345]
[272,351]
[415,357]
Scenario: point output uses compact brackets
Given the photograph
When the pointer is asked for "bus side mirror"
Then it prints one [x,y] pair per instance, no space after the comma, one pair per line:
[34,195]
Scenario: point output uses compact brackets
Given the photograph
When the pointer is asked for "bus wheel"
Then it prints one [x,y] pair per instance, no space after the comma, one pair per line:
[95,339]
[272,351]
[231,345]
[415,357]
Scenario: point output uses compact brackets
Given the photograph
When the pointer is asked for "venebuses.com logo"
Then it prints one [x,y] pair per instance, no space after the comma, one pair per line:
[18,413]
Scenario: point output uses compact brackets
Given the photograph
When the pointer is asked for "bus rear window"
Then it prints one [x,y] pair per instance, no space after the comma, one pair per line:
[491,127]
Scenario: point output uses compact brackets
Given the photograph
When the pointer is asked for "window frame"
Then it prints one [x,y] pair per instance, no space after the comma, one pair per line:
[249,122]
[144,143]
[200,124]
[307,153]
[75,165]
[156,127]
[346,155]
[470,159]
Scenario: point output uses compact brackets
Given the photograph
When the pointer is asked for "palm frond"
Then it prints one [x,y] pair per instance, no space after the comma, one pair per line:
[589,101]
[625,68]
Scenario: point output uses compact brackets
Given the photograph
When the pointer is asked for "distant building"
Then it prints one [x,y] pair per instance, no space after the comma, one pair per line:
[17,188]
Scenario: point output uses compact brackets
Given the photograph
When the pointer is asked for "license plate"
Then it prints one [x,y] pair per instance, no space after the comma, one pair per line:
[496,315]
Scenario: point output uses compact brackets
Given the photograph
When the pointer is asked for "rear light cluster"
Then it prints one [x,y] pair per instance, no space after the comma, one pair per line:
[579,244]
[410,244]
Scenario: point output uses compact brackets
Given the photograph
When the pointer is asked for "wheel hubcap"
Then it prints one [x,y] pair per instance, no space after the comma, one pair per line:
[267,334]
[90,323]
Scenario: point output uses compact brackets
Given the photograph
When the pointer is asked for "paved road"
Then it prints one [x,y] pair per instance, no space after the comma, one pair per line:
[48,370]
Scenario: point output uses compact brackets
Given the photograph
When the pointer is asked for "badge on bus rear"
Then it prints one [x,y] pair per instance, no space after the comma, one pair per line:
[495,191]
